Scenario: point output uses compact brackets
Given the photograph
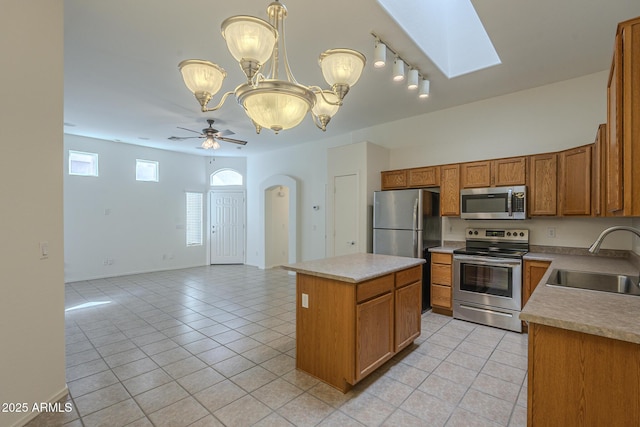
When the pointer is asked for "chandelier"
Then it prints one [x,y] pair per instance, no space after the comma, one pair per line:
[271,102]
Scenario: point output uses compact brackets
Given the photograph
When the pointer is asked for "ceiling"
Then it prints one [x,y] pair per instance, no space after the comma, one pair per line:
[122,81]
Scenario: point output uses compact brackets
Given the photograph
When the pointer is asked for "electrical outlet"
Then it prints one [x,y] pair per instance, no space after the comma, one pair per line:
[551,232]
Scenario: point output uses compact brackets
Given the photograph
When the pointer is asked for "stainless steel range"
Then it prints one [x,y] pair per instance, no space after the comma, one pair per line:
[487,277]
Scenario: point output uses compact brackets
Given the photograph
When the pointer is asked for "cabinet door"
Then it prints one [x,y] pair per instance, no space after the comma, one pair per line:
[598,188]
[533,272]
[614,141]
[374,334]
[424,177]
[450,190]
[512,171]
[441,297]
[543,178]
[408,314]
[575,181]
[475,174]
[394,179]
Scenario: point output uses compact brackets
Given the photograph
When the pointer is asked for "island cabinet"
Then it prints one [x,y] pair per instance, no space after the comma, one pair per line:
[579,379]
[623,123]
[347,328]
[441,282]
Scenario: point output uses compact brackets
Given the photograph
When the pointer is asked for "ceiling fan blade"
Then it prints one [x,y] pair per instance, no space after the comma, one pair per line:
[180,138]
[199,133]
[234,141]
[226,132]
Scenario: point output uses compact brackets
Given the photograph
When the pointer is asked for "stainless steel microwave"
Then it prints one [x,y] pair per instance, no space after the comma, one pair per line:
[494,203]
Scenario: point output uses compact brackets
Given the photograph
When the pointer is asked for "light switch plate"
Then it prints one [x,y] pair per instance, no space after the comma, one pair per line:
[305,300]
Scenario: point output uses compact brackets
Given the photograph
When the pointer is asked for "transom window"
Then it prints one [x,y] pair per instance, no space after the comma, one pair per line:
[146,170]
[83,164]
[226,177]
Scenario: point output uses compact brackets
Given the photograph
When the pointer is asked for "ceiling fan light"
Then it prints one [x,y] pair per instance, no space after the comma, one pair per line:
[379,54]
[424,88]
[215,145]
[342,66]
[412,83]
[208,143]
[249,38]
[202,76]
[398,70]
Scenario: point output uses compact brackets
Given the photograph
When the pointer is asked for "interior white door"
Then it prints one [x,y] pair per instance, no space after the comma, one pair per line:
[345,215]
[227,221]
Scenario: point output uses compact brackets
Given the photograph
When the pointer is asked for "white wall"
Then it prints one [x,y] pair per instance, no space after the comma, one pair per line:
[32,359]
[138,226]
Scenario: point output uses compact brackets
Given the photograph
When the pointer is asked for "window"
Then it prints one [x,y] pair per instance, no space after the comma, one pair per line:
[194,219]
[226,177]
[146,170]
[85,164]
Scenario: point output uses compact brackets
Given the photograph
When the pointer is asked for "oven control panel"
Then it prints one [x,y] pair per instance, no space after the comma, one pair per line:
[498,234]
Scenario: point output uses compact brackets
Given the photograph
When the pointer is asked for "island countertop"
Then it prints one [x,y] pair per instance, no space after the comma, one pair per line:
[354,268]
[605,314]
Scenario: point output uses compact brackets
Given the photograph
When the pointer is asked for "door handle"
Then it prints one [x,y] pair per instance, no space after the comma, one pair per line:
[352,243]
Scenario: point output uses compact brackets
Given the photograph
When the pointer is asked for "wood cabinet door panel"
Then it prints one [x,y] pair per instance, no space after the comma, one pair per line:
[394,179]
[441,274]
[450,190]
[408,314]
[543,178]
[409,275]
[441,258]
[374,334]
[475,174]
[424,177]
[441,296]
[505,172]
[575,181]
[614,176]
[371,288]
[533,272]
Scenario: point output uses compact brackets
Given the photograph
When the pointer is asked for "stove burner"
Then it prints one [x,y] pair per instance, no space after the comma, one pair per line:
[496,243]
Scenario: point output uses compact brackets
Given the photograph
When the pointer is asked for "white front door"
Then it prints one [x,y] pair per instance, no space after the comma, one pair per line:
[227,221]
[345,215]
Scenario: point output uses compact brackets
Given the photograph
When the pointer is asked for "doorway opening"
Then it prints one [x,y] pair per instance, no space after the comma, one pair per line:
[278,203]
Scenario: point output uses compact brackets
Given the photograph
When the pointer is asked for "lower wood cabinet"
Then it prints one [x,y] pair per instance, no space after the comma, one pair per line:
[441,283]
[579,379]
[533,272]
[348,330]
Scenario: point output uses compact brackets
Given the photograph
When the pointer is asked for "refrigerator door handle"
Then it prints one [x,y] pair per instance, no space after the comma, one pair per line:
[415,245]
[415,214]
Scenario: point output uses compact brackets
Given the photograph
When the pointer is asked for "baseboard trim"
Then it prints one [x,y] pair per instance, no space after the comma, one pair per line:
[31,415]
[131,273]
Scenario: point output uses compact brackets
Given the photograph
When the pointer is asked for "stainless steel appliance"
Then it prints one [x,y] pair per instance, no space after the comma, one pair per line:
[494,203]
[407,223]
[487,277]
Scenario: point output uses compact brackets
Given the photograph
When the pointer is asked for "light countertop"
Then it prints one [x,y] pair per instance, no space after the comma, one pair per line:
[354,268]
[594,312]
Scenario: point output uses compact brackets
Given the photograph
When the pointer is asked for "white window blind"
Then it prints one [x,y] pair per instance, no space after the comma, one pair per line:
[84,164]
[194,219]
[146,170]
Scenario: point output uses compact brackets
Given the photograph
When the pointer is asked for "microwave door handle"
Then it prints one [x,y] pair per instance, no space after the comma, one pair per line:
[509,202]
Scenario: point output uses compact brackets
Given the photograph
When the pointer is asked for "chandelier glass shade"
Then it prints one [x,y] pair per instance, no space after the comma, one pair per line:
[269,101]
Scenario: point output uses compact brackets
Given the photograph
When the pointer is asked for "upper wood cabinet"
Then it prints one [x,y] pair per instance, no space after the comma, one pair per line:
[543,178]
[623,123]
[494,173]
[575,181]
[394,179]
[424,177]
[598,168]
[450,190]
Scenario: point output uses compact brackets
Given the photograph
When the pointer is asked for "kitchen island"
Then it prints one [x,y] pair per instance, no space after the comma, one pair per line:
[584,348]
[353,313]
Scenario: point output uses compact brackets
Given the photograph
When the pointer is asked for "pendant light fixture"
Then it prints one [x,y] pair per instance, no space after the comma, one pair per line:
[270,101]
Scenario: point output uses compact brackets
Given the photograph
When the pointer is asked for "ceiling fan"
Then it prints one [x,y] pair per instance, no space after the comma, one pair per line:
[211,136]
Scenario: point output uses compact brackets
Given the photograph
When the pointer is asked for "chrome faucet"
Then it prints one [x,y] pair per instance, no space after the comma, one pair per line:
[596,245]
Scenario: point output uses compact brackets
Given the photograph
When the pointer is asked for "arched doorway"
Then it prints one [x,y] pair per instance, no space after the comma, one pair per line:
[278,201]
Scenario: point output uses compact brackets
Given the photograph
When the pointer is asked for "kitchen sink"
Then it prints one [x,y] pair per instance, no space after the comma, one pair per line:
[617,283]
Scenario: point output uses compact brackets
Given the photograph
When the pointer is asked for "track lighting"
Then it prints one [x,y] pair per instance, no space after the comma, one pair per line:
[379,54]
[415,79]
[412,83]
[398,69]
[424,88]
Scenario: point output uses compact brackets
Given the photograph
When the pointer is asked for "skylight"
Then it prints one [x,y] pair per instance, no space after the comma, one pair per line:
[449,32]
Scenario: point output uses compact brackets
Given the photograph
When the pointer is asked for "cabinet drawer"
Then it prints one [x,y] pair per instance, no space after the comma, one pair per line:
[441,296]
[440,258]
[374,287]
[410,275]
[441,274]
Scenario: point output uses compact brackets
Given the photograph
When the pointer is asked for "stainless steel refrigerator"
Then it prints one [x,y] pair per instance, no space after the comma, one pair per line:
[407,223]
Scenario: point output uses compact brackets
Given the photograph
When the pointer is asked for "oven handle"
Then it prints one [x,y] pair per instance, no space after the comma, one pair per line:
[497,262]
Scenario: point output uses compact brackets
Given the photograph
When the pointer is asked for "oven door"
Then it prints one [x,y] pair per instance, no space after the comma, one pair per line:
[489,281]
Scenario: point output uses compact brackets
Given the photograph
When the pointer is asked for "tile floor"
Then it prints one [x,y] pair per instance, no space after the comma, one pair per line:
[213,346]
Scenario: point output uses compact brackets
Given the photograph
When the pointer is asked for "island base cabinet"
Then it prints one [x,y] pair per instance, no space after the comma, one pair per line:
[579,379]
[374,332]
[408,317]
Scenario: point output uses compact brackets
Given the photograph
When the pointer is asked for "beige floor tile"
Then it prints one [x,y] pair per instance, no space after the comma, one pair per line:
[487,406]
[233,366]
[496,387]
[120,414]
[504,372]
[146,381]
[243,412]
[305,410]
[180,414]
[273,420]
[277,393]
[219,395]
[159,397]
[401,418]
[216,355]
[101,399]
[367,409]
[464,418]
[199,380]
[428,408]
[390,390]
[133,369]
[339,419]
[456,373]
[184,367]
[280,365]
[443,389]
[330,395]
[253,378]
[91,383]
